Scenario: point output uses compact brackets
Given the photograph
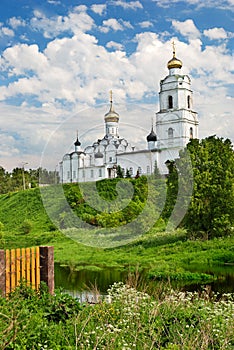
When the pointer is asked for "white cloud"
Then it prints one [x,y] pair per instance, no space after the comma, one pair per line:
[76,21]
[111,23]
[218,4]
[187,28]
[16,22]
[146,24]
[133,5]
[5,31]
[98,8]
[216,33]
[54,2]
[114,45]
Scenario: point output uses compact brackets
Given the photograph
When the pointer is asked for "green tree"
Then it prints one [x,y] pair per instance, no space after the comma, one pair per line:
[119,172]
[128,174]
[211,209]
[156,172]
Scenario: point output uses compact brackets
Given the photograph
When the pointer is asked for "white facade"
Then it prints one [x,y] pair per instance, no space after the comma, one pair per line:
[176,124]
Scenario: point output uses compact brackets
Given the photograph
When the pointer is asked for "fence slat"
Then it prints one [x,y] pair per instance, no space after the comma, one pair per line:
[13,270]
[8,272]
[28,266]
[18,266]
[33,274]
[23,267]
[37,267]
[2,273]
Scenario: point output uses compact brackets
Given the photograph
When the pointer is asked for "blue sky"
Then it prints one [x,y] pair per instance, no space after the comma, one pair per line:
[59,59]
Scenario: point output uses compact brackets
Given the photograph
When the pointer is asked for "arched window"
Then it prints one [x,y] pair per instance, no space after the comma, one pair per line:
[191,133]
[131,171]
[189,102]
[170,102]
[170,133]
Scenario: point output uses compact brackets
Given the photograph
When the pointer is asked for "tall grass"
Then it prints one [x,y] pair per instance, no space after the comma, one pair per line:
[128,319]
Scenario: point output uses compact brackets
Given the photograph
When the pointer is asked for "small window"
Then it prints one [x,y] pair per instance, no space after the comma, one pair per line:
[91,173]
[139,170]
[110,159]
[131,171]
[100,172]
[191,133]
[170,133]
[113,130]
[148,169]
[170,102]
[68,175]
[189,102]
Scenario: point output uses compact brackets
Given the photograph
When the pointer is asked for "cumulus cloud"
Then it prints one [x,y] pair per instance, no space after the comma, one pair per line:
[98,8]
[219,4]
[114,45]
[186,28]
[109,24]
[15,22]
[216,33]
[5,31]
[76,21]
[133,5]
[146,24]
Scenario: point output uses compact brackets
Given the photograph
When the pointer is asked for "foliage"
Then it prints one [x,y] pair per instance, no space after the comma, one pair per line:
[119,172]
[211,211]
[26,226]
[20,177]
[127,319]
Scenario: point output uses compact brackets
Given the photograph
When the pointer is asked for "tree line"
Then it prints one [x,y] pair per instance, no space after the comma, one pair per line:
[207,165]
[20,178]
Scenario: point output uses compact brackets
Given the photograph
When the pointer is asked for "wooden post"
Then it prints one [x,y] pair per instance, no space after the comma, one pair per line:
[2,273]
[47,267]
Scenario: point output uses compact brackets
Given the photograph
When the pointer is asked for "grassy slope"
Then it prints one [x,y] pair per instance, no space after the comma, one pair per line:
[162,253]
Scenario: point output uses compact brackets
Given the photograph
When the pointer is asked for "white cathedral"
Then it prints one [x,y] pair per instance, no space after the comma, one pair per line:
[176,124]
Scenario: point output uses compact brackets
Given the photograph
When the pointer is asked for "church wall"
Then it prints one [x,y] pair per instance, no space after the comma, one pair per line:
[142,161]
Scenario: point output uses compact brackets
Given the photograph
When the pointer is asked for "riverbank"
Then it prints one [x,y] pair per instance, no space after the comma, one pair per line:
[165,255]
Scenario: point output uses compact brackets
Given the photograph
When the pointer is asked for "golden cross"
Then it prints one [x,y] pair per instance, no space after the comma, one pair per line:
[111,93]
[173,46]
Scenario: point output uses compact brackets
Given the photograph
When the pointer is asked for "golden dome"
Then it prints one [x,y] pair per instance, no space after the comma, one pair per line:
[111,116]
[174,62]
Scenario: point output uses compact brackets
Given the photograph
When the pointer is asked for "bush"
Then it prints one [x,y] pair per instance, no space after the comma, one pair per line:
[26,226]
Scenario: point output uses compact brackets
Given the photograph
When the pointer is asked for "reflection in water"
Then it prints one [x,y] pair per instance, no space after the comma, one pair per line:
[90,286]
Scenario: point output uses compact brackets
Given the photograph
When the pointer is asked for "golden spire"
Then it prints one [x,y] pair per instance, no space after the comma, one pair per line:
[173,46]
[111,96]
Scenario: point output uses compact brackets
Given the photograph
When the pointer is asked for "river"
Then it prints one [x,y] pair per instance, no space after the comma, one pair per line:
[82,284]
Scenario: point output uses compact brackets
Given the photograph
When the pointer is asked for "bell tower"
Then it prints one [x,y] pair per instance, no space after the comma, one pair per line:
[112,120]
[176,121]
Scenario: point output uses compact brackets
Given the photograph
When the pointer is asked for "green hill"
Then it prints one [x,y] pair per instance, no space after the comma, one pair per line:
[164,254]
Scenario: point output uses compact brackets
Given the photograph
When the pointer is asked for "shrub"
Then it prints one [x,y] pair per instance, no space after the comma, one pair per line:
[26,226]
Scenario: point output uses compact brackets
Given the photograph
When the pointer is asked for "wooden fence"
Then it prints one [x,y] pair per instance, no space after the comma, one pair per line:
[33,265]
